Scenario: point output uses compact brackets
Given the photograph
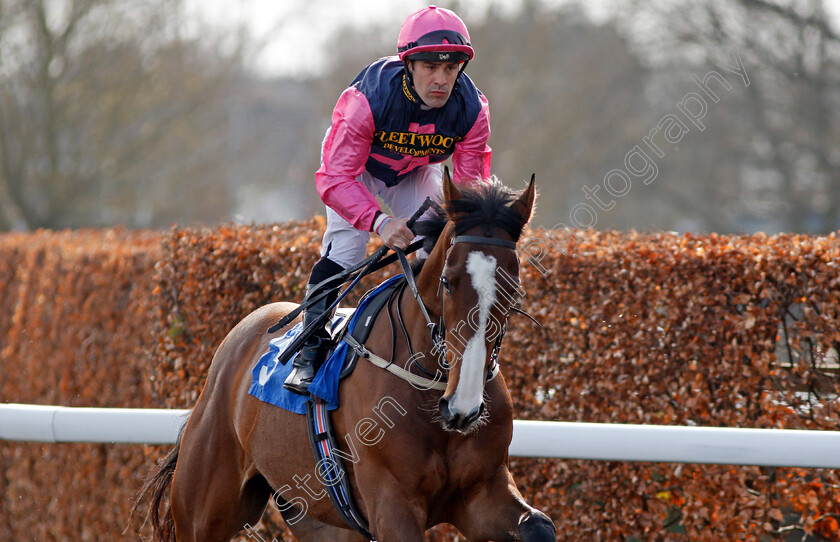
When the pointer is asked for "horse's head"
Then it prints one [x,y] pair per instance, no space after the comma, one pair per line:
[475,261]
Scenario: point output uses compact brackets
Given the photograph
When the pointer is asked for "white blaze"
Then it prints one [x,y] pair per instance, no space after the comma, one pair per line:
[468,394]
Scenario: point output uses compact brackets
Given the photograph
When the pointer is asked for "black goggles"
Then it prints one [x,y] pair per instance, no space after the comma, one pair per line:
[437,37]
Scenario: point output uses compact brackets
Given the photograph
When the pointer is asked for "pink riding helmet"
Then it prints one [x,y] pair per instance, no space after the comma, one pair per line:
[434,34]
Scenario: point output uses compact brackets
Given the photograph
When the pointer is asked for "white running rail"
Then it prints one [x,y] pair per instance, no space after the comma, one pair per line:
[566,440]
[37,423]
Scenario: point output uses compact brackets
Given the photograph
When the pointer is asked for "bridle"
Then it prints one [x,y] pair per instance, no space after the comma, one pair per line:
[438,330]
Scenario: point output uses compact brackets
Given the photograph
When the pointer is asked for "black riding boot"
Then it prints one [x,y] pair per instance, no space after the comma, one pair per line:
[313,352]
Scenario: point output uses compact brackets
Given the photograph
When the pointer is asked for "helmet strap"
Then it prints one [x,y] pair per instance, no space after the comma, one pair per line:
[408,72]
[408,87]
[463,67]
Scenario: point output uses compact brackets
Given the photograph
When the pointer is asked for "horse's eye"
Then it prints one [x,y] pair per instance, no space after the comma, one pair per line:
[447,286]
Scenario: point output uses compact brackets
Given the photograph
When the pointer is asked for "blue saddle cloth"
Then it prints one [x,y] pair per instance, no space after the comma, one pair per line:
[268,375]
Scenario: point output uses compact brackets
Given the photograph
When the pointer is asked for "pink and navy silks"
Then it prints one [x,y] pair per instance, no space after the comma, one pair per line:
[379,125]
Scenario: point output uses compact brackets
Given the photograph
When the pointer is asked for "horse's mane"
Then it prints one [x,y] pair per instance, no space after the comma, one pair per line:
[489,205]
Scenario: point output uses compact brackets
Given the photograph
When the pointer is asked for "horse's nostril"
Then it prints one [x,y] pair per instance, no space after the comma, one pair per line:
[443,407]
[474,415]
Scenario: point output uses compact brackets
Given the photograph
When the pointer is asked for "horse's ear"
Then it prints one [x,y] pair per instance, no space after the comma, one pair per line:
[525,203]
[450,190]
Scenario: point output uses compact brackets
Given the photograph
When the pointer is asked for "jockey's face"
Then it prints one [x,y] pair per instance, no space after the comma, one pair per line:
[434,81]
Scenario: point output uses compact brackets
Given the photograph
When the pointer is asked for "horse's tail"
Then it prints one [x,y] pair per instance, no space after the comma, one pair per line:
[156,486]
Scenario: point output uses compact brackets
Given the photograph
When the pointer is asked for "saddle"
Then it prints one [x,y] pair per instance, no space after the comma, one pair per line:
[359,326]
[270,371]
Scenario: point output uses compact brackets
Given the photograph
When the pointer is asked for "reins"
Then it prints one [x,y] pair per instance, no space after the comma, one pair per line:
[363,268]
[377,261]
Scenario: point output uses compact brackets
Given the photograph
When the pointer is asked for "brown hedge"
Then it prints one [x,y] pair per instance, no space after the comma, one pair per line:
[655,328]
[73,331]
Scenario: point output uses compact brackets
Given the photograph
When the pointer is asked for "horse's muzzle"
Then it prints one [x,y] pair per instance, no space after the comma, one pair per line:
[455,420]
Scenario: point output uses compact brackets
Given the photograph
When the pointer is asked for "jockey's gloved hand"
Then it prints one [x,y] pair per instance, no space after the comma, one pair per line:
[395,233]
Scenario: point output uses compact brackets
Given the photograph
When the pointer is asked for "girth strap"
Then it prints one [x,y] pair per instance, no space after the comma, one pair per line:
[322,439]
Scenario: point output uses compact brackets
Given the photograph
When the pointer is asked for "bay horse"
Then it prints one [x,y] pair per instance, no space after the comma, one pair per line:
[422,456]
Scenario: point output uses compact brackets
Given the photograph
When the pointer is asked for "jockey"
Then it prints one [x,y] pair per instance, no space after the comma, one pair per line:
[391,128]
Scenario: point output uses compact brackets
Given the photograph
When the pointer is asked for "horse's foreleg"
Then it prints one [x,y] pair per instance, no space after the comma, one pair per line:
[308,529]
[497,511]
[400,525]
[396,517]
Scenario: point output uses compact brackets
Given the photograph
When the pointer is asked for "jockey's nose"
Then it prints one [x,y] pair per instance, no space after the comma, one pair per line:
[439,77]
[456,420]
